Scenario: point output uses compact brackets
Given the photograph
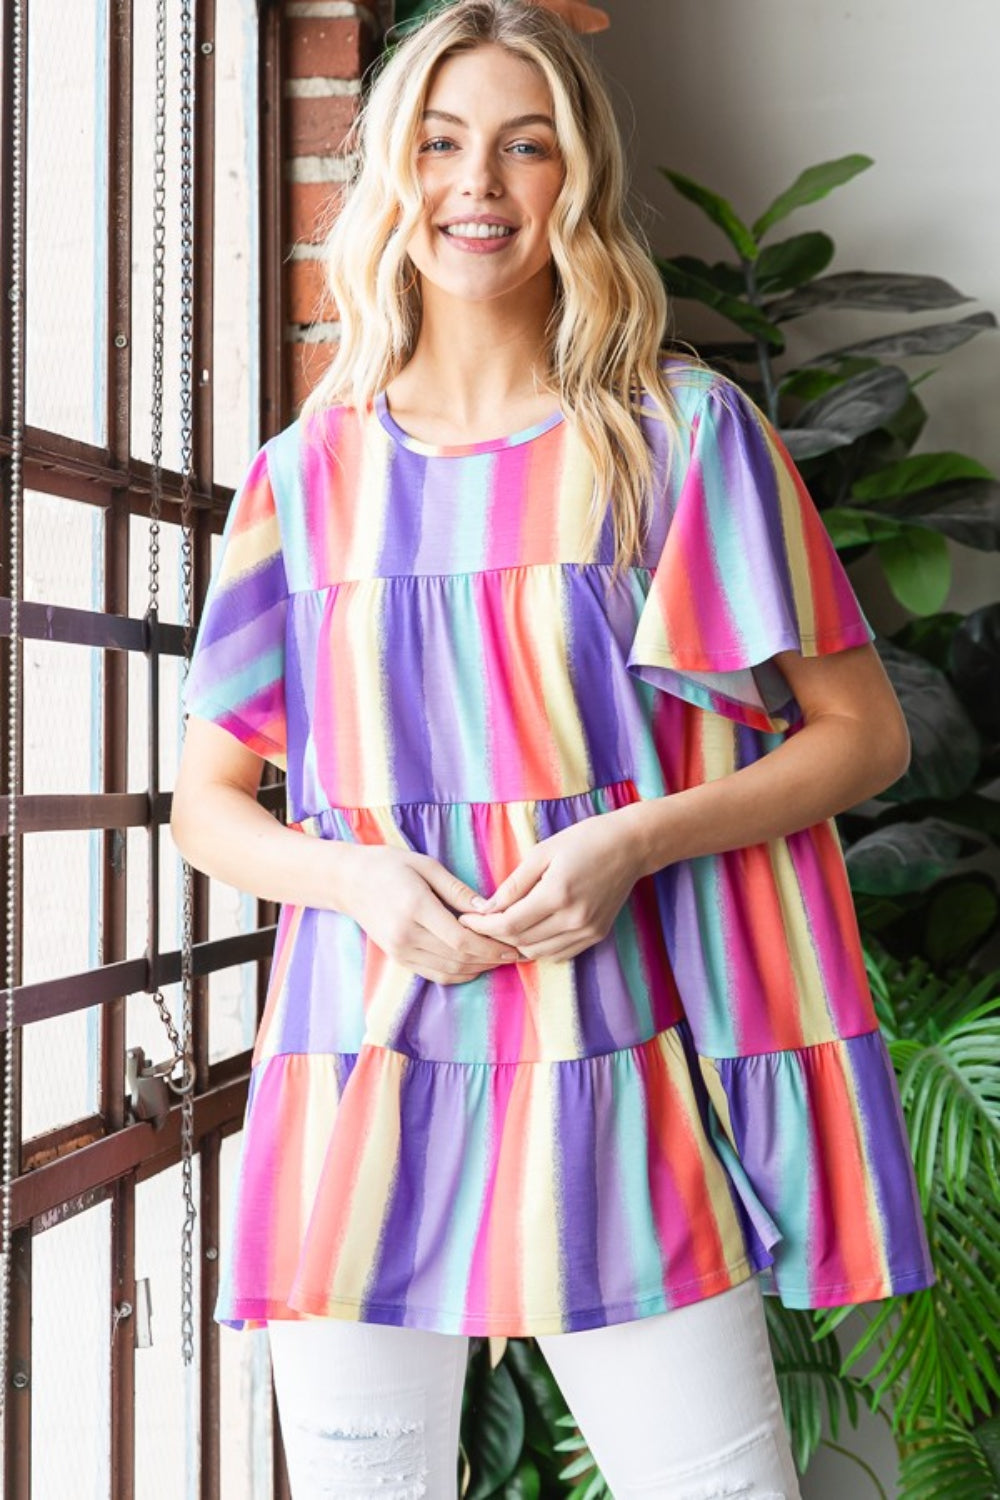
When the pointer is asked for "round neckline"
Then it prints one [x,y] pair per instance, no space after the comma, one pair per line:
[460,450]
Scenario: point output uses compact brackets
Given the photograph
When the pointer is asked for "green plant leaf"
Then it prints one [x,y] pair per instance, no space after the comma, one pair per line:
[878,291]
[723,275]
[681,283]
[949,1462]
[902,857]
[974,663]
[717,209]
[851,527]
[917,564]
[811,185]
[950,1093]
[921,471]
[526,1483]
[933,338]
[793,261]
[946,749]
[968,510]
[811,1386]
[492,1428]
[857,406]
[962,914]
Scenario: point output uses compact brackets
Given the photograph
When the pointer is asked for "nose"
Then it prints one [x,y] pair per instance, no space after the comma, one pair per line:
[479,171]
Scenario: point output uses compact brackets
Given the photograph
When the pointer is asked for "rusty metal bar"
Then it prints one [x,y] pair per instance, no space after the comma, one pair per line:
[137,1147]
[61,997]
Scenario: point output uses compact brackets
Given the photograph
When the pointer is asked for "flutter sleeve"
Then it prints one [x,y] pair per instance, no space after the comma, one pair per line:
[747,569]
[237,672]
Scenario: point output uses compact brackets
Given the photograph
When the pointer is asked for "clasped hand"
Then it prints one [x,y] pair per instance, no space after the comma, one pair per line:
[563,896]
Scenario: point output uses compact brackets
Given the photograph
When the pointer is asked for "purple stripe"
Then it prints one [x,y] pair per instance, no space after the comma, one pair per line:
[577,1187]
[405,475]
[248,598]
[591,652]
[887,1152]
[391,1277]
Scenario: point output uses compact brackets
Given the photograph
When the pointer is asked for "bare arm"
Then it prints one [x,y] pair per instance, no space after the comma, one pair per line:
[854,743]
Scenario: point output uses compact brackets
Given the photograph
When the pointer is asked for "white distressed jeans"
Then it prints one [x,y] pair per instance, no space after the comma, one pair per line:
[681,1405]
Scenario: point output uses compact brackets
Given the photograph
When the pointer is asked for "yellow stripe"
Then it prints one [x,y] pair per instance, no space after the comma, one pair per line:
[363,630]
[246,550]
[818,1023]
[373,1184]
[573,499]
[541,1290]
[549,989]
[545,608]
[795,543]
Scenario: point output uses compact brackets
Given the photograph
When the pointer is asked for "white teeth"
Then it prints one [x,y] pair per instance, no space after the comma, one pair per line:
[479,231]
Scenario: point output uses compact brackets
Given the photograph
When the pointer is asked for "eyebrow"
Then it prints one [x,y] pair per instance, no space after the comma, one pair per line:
[442,114]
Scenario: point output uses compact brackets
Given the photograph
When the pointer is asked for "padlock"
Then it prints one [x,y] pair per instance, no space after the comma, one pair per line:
[147,1087]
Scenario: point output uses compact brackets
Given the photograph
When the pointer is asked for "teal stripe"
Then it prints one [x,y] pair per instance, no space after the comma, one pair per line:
[283,457]
[631,1135]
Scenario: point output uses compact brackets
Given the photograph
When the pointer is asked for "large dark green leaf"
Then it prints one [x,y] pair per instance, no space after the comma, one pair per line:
[850,526]
[856,407]
[966,510]
[492,1428]
[721,274]
[903,857]
[718,210]
[945,745]
[974,663]
[934,338]
[917,564]
[882,291]
[962,914]
[788,264]
[811,185]
[920,471]
[682,283]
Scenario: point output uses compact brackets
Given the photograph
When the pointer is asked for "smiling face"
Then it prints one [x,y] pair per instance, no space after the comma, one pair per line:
[486,150]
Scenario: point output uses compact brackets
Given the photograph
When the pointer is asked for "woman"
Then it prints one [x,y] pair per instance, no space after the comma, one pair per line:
[528,611]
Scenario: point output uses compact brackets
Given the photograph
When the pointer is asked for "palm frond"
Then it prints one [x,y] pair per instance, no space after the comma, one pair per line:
[810,1380]
[947,1462]
[950,1092]
[937,1351]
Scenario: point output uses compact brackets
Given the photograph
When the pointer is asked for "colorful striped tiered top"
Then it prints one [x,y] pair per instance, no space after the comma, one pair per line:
[413,632]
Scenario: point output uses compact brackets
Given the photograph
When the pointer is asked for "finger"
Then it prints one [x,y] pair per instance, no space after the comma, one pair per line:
[517,884]
[517,920]
[448,887]
[446,936]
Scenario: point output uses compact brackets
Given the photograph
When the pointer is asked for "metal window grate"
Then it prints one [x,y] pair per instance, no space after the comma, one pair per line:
[96,1201]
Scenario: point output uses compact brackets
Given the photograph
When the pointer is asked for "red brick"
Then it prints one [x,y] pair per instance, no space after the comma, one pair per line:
[317,127]
[326,47]
[305,365]
[308,299]
[311,209]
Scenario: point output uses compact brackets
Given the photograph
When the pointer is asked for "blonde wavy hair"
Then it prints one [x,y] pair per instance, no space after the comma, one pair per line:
[603,338]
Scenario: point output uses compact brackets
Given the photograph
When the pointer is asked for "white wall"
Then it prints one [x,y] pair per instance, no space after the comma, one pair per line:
[742,94]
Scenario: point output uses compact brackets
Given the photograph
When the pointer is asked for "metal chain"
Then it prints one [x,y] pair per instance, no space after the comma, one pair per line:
[16,294]
[182,1045]
[187,428]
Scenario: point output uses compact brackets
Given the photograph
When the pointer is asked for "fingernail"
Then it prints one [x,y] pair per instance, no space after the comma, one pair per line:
[479,903]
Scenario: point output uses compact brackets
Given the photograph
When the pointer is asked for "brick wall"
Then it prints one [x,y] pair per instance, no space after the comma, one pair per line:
[326,45]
